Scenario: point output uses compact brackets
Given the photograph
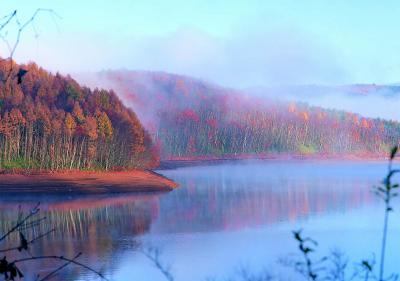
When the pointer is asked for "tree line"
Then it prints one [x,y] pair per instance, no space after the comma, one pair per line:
[223,126]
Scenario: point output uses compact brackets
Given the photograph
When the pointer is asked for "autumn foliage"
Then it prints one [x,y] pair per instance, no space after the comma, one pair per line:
[194,118]
[51,122]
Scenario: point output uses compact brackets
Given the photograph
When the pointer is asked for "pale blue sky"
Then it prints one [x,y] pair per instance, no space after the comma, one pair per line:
[235,43]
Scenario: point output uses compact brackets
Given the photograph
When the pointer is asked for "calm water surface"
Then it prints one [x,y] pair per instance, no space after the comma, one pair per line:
[223,217]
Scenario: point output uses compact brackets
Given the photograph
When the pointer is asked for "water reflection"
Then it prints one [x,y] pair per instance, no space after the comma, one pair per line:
[95,226]
[237,196]
[218,199]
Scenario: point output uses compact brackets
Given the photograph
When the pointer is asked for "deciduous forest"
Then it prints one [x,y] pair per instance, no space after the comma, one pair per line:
[51,122]
[193,118]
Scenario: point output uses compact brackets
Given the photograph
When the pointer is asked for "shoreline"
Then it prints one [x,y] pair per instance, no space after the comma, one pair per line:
[177,162]
[85,182]
[74,182]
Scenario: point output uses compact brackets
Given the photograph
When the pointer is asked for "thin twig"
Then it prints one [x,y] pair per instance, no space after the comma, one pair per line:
[29,242]
[51,274]
[60,258]
[154,256]
[21,26]
[19,223]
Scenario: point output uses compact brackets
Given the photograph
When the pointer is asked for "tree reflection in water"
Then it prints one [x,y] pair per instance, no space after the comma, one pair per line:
[219,199]
[95,226]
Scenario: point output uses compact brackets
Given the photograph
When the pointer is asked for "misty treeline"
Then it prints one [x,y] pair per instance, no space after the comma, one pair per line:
[216,129]
[51,122]
[194,118]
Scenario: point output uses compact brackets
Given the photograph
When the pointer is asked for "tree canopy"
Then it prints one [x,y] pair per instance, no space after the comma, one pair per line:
[51,122]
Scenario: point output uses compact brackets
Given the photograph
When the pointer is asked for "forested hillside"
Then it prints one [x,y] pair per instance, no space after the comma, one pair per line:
[51,122]
[191,118]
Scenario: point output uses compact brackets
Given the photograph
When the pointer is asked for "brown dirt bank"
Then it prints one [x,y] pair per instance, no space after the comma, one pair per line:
[84,182]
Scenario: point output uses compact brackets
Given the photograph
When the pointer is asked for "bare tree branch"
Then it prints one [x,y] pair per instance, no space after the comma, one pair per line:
[62,258]
[54,272]
[153,254]
[20,27]
[20,222]
[29,242]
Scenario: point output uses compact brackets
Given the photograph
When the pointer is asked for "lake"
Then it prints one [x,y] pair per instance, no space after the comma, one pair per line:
[224,217]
